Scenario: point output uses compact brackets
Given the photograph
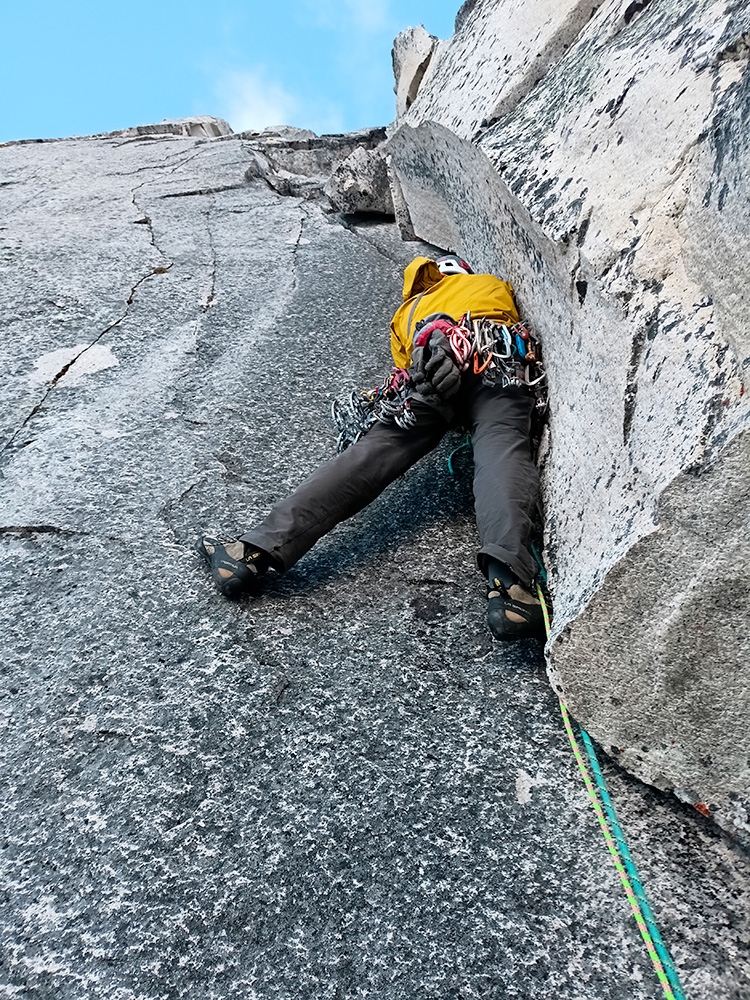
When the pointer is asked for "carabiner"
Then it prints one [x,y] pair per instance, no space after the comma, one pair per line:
[478,370]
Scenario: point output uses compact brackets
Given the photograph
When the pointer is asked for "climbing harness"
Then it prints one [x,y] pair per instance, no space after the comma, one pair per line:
[617,845]
[502,355]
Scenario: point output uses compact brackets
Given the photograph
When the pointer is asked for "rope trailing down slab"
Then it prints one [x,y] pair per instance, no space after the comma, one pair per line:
[618,849]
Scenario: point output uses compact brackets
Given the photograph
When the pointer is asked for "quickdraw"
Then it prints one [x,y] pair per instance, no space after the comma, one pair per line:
[459,336]
[479,368]
[387,403]
[508,356]
[462,344]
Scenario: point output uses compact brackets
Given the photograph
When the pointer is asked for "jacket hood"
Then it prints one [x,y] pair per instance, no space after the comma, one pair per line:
[420,275]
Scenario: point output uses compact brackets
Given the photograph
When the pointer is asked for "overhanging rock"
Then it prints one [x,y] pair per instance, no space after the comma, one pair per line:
[603,170]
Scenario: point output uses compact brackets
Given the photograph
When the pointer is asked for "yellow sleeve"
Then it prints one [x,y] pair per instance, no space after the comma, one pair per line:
[400,351]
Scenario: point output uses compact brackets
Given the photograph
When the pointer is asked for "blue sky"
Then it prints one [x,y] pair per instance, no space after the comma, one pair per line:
[74,67]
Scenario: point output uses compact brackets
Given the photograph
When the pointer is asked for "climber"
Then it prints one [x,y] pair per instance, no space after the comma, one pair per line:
[444,392]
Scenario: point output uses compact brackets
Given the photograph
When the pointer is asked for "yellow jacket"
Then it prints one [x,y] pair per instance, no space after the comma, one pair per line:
[428,291]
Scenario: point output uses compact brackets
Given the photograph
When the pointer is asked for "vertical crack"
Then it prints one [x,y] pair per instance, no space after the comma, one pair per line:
[418,77]
[304,216]
[355,231]
[211,295]
[631,380]
[206,303]
[146,221]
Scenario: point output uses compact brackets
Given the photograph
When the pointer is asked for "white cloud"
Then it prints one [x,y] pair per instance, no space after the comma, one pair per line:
[371,15]
[250,101]
[365,15]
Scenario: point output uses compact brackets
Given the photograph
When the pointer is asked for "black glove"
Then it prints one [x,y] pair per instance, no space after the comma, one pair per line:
[433,368]
[442,372]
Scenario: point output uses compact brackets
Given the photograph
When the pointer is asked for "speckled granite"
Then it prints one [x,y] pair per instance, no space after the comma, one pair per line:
[343,788]
[597,155]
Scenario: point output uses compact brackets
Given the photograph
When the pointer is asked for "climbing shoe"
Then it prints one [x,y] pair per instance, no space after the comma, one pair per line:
[513,613]
[234,565]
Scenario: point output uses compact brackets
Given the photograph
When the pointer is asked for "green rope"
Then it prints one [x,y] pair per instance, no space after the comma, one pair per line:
[632,871]
[618,849]
[542,574]
[465,442]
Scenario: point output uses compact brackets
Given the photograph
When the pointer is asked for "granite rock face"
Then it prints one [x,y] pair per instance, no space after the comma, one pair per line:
[412,51]
[497,55]
[597,156]
[342,787]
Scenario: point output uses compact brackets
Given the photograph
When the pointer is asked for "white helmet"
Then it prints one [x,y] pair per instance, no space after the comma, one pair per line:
[451,263]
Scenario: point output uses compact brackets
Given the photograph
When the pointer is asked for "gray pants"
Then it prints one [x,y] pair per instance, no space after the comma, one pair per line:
[505,479]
